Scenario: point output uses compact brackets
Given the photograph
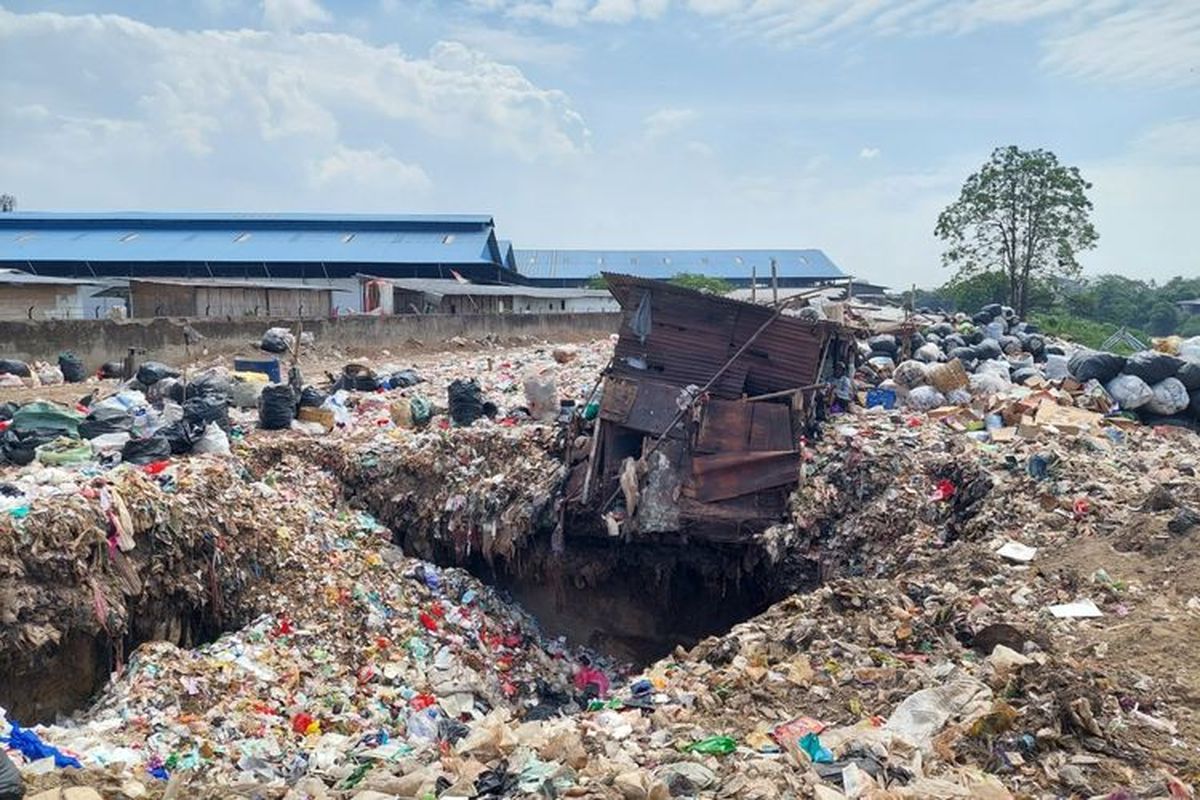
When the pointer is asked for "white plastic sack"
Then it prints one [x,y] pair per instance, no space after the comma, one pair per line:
[925,398]
[922,714]
[986,384]
[1170,397]
[929,353]
[910,374]
[541,396]
[1189,349]
[49,375]
[1056,367]
[108,442]
[245,394]
[995,366]
[995,329]
[125,401]
[1130,392]
[214,442]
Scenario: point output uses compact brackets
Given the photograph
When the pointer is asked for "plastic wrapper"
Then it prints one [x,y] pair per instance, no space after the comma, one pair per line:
[214,442]
[1056,367]
[925,398]
[1129,391]
[1169,397]
[541,397]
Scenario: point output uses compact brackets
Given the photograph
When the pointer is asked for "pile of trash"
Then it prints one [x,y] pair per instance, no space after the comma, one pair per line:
[960,361]
[363,668]
[16,373]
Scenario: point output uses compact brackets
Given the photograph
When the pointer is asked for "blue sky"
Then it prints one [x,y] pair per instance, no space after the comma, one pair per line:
[614,123]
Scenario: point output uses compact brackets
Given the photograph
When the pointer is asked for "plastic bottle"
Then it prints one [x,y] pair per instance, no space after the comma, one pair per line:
[141,422]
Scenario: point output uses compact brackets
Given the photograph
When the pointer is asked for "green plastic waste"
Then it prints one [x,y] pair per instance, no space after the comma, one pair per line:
[422,409]
[42,416]
[713,746]
[64,452]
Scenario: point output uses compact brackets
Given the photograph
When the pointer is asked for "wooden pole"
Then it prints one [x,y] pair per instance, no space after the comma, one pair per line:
[753,284]
[774,282]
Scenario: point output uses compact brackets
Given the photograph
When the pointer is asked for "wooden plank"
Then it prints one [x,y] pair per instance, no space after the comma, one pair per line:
[771,427]
[727,475]
[617,399]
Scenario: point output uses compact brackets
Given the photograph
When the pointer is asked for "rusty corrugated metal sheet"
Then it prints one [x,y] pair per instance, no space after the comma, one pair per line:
[693,334]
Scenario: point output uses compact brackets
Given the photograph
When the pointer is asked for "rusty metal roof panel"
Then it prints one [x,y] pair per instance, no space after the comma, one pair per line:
[693,334]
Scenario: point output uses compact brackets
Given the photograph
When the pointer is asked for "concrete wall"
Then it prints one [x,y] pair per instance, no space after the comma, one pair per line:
[97,341]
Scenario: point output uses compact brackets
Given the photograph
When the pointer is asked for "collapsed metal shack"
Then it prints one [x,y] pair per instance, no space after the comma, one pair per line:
[702,412]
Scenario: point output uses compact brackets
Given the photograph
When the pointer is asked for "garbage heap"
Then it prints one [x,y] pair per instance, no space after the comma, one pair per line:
[113,559]
[994,355]
[363,668]
[449,494]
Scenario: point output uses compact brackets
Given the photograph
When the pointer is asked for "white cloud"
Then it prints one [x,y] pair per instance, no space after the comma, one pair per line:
[569,13]
[356,169]
[518,48]
[1155,42]
[667,121]
[287,15]
[869,153]
[241,118]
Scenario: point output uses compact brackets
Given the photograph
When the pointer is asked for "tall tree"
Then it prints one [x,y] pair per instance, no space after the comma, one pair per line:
[7,203]
[1022,213]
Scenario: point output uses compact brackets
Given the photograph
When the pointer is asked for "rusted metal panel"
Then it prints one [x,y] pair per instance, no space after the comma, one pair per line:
[693,334]
[732,426]
[725,475]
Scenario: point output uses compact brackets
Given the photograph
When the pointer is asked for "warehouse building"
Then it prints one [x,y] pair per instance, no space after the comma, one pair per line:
[794,268]
[183,297]
[323,249]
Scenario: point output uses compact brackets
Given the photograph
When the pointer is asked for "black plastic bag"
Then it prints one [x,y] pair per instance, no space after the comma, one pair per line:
[111,369]
[10,366]
[963,354]
[146,451]
[276,407]
[208,384]
[1023,374]
[357,378]
[974,337]
[106,420]
[312,397]
[884,344]
[1189,375]
[942,329]
[206,409]
[1034,344]
[405,378]
[275,341]
[152,372]
[182,436]
[18,446]
[1089,365]
[953,340]
[466,401]
[988,349]
[1151,366]
[1011,345]
[72,367]
[11,785]
[7,410]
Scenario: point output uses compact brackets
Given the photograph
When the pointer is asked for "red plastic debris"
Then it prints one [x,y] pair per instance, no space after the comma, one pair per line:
[301,721]
[943,490]
[155,467]
[429,622]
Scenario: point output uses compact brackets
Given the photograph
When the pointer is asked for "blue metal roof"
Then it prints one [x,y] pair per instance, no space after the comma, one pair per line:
[662,264]
[33,237]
